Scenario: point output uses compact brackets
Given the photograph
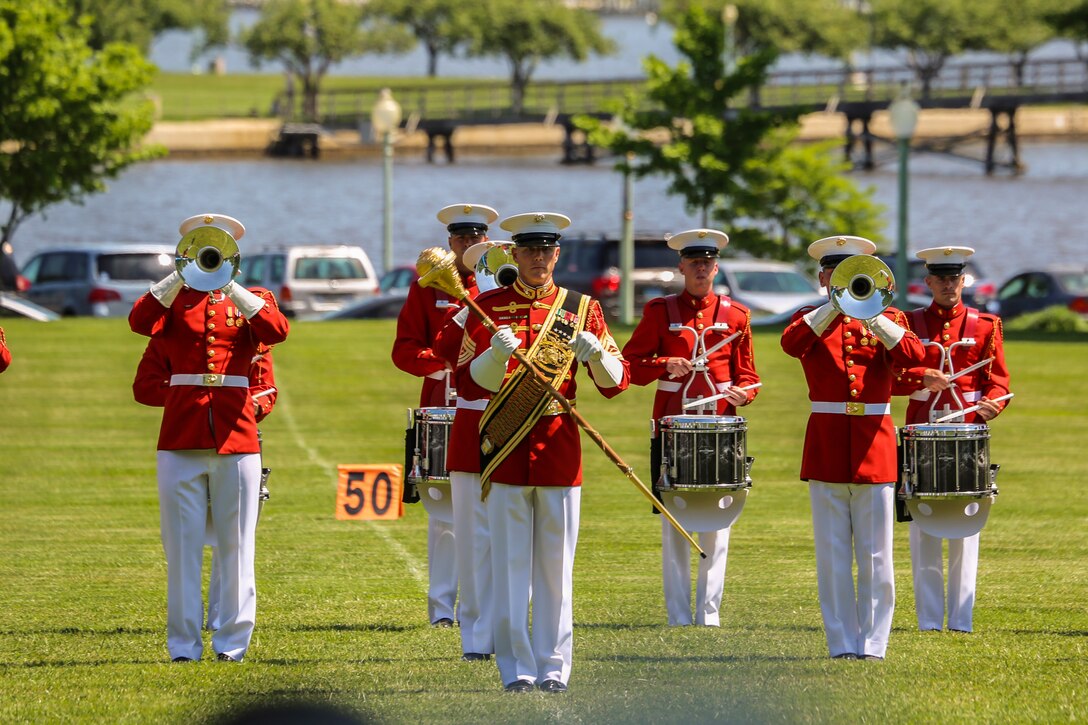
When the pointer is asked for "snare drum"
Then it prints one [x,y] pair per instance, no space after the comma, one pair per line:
[943,460]
[704,452]
[432,436]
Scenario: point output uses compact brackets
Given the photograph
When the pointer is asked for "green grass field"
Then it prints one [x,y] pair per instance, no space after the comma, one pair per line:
[341,607]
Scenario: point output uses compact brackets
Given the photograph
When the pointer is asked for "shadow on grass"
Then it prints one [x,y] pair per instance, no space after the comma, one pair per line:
[1043,336]
[372,627]
[718,659]
[618,626]
[82,631]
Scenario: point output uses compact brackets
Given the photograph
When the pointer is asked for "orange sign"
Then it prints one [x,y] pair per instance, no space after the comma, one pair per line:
[369,492]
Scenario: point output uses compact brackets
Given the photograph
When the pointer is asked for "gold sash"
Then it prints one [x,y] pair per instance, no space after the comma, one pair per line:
[523,398]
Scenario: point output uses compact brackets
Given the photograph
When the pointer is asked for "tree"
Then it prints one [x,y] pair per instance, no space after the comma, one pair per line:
[526,32]
[140,21]
[308,36]
[731,163]
[68,118]
[931,31]
[1019,28]
[1072,23]
[440,25]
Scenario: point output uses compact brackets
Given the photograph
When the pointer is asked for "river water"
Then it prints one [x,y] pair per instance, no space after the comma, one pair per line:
[1012,222]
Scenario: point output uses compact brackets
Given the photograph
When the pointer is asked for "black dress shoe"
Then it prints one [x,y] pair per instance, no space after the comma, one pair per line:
[224,657]
[444,623]
[845,656]
[552,686]
[519,686]
[872,657]
[475,657]
[182,659]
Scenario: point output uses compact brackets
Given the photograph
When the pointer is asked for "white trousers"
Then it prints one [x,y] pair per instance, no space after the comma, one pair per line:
[534,532]
[676,573]
[188,480]
[927,569]
[472,539]
[441,571]
[853,523]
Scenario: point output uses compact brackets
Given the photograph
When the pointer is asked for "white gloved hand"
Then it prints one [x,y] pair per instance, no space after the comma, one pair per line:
[586,347]
[166,289]
[820,318]
[248,303]
[503,344]
[489,369]
[886,330]
[607,370]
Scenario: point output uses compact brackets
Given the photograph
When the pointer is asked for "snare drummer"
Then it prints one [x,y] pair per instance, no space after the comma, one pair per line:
[849,457]
[662,353]
[956,337]
[425,312]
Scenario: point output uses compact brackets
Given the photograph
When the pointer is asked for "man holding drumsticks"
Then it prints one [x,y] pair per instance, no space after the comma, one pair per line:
[849,457]
[956,337]
[660,351]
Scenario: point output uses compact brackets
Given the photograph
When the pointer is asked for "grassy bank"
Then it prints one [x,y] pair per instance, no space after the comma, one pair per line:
[342,611]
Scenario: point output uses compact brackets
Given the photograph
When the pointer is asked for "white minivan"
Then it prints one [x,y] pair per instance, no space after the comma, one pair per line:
[309,281]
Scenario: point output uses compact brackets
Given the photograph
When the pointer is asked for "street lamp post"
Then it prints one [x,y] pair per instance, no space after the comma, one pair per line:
[627,247]
[903,112]
[385,118]
[729,21]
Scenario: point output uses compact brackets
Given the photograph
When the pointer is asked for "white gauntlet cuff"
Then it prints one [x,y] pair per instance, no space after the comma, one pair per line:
[820,318]
[166,289]
[248,303]
[886,331]
[607,371]
[487,371]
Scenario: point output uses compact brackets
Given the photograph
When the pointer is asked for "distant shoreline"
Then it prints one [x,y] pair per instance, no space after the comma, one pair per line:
[251,137]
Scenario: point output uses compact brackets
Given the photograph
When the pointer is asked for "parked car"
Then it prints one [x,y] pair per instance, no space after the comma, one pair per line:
[978,291]
[311,280]
[398,279]
[591,265]
[102,280]
[382,307]
[767,288]
[1042,288]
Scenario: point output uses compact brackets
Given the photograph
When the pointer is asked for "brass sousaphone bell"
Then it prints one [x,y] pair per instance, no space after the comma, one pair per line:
[207,258]
[862,286]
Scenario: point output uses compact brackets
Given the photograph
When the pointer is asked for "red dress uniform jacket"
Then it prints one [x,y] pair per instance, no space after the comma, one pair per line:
[5,354]
[463,453]
[422,317]
[848,364]
[152,380]
[947,327]
[199,337]
[652,344]
[551,454]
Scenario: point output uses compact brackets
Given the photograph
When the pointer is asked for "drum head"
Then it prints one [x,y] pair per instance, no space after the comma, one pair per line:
[437,500]
[705,510]
[950,518]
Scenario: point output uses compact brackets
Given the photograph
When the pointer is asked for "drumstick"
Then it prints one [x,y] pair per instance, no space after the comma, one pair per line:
[264,393]
[972,409]
[972,368]
[719,396]
[706,355]
[436,270]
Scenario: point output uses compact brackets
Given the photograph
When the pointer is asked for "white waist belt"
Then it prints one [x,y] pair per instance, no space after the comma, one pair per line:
[472,404]
[971,396]
[670,386]
[438,375]
[210,380]
[852,408]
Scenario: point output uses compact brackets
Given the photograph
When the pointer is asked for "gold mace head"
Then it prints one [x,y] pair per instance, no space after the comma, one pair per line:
[437,268]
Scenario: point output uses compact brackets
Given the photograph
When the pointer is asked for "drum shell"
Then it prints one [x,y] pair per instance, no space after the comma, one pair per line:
[946,460]
[704,452]
[432,428]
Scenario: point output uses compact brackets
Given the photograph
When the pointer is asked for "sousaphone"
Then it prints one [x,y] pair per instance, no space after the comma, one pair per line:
[207,258]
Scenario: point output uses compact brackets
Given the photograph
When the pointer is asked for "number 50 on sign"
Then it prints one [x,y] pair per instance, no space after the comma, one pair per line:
[369,492]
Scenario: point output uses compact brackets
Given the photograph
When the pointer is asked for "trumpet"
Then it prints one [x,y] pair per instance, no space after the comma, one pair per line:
[862,286]
[207,258]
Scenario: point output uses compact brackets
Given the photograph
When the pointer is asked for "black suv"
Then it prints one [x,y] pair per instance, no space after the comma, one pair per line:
[591,265]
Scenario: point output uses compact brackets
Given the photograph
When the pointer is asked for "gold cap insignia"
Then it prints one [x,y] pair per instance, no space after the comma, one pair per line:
[702,234]
[539,218]
[840,241]
[466,208]
[208,219]
[947,252]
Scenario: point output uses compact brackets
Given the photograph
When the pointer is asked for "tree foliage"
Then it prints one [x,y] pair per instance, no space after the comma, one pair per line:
[441,26]
[525,32]
[140,21]
[67,117]
[734,164]
[308,36]
[1071,22]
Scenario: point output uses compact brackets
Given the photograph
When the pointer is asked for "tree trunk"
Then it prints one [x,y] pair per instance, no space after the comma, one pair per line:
[517,89]
[310,89]
[432,60]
